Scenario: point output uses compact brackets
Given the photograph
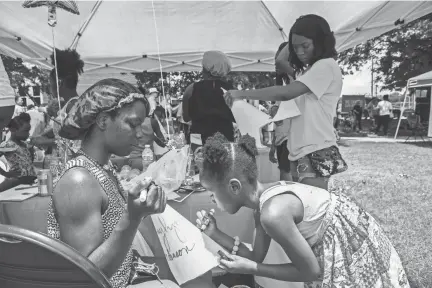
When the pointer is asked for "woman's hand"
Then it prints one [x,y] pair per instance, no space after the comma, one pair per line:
[237,265]
[282,62]
[231,96]
[206,222]
[144,199]
[12,174]
[27,180]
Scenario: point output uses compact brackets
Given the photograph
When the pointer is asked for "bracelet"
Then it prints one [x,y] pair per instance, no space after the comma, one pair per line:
[236,245]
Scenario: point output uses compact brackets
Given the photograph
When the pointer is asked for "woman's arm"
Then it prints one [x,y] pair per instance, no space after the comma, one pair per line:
[279,219]
[185,103]
[80,220]
[273,93]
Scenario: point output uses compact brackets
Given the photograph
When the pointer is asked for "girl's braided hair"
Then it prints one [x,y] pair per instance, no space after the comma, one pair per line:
[218,157]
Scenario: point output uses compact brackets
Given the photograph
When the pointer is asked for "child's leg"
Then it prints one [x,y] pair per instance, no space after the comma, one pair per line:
[284,163]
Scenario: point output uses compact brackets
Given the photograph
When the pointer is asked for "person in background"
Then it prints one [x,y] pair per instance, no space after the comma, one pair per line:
[37,121]
[385,108]
[69,68]
[373,110]
[184,126]
[19,155]
[279,146]
[331,241]
[153,98]
[312,142]
[90,210]
[203,102]
[150,133]
[19,106]
[7,95]
[357,111]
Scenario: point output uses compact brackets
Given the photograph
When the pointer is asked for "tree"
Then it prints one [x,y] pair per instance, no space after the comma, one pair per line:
[397,55]
[23,76]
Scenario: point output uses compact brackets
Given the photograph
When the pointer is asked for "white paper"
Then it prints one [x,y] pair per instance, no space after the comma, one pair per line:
[183,245]
[287,109]
[196,139]
[250,120]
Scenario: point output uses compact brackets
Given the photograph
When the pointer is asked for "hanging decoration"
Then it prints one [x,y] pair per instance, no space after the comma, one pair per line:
[69,6]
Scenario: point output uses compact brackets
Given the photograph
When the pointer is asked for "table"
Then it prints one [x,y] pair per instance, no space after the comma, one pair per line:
[31,214]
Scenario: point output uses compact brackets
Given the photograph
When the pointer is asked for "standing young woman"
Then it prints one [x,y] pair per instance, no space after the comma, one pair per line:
[314,155]
[330,240]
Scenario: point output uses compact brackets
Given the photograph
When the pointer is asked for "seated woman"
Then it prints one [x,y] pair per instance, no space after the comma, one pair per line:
[18,154]
[90,210]
[331,241]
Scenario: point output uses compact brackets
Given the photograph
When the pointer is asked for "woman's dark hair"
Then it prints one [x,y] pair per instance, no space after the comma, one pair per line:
[69,67]
[280,78]
[18,121]
[386,97]
[218,158]
[317,29]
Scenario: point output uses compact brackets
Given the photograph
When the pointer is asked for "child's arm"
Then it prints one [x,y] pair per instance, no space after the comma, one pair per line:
[159,139]
[279,220]
[261,242]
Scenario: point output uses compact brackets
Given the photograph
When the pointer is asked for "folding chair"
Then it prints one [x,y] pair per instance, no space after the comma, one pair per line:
[32,260]
[418,129]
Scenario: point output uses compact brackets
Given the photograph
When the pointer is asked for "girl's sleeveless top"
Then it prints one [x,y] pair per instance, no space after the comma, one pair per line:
[110,218]
[316,202]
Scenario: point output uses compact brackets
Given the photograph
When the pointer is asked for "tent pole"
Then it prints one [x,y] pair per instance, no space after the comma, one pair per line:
[401,113]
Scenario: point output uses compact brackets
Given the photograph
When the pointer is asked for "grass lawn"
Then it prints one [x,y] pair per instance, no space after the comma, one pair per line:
[393,182]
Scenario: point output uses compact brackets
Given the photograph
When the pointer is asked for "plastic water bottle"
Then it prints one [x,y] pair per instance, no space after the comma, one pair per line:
[182,139]
[147,157]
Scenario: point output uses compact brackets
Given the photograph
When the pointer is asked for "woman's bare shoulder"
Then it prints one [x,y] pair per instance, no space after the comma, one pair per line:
[77,185]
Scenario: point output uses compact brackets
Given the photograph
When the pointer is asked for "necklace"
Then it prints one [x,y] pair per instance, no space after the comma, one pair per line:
[107,167]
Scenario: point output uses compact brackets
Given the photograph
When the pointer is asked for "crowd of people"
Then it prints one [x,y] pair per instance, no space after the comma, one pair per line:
[331,241]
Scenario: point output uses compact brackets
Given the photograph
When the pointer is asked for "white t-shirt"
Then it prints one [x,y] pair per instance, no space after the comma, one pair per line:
[313,129]
[385,108]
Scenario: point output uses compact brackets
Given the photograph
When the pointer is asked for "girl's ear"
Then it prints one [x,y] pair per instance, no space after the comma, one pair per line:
[235,186]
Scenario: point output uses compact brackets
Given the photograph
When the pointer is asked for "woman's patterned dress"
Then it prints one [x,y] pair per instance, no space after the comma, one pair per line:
[116,207]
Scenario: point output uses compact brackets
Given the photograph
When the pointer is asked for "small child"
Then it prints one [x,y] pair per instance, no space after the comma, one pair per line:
[279,145]
[331,241]
[18,154]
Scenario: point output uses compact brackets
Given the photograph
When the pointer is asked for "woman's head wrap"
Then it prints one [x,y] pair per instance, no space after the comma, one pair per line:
[104,96]
[216,63]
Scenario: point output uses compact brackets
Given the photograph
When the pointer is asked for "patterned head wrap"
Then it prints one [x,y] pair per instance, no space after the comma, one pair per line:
[106,95]
[216,63]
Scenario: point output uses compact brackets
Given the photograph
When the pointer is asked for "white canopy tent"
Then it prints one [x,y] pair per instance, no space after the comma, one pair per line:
[123,37]
[422,80]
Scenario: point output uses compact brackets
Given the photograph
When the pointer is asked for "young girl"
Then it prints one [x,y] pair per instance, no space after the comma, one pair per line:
[330,240]
[314,155]
[18,154]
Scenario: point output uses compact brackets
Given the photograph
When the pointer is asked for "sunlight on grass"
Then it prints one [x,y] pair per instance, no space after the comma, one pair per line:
[393,181]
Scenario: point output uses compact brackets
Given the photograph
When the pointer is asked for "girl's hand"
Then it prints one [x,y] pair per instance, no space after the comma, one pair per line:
[206,222]
[237,264]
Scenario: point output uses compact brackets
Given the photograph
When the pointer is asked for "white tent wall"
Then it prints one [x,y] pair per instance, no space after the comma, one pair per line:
[121,36]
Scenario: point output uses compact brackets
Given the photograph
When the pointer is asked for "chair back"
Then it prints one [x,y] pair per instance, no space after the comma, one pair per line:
[32,260]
